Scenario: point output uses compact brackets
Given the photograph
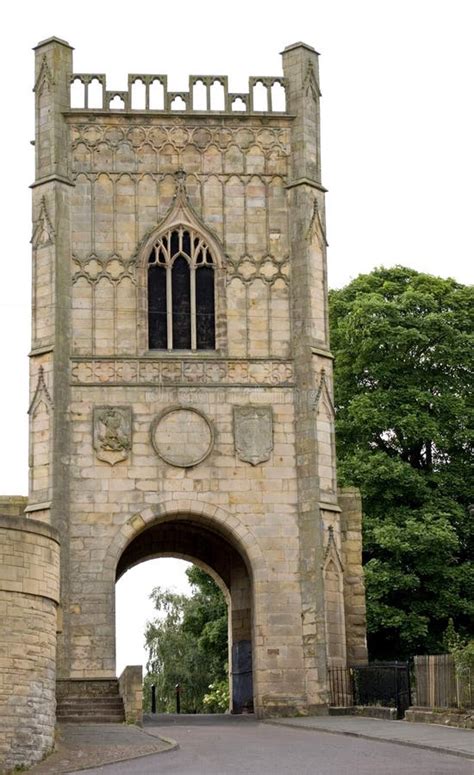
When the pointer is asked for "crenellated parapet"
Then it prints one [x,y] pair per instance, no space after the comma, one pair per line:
[206,93]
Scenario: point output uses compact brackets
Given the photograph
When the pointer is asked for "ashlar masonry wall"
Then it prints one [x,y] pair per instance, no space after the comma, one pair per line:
[253,461]
[29,594]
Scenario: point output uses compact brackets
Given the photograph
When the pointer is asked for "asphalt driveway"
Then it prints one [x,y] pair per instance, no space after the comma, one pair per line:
[237,745]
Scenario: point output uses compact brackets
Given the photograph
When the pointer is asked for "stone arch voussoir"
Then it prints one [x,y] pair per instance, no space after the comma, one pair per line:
[225,523]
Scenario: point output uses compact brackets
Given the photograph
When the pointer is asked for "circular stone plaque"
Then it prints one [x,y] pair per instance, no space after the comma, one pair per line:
[182,437]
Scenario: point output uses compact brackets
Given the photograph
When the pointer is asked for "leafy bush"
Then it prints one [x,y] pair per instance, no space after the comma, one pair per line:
[217,699]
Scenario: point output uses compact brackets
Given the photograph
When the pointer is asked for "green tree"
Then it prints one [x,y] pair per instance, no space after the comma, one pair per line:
[187,644]
[403,344]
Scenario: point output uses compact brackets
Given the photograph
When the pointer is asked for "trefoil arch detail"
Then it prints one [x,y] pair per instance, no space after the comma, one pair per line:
[181,292]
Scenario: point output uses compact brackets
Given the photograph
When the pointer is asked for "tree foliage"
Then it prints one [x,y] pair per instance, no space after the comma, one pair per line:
[187,644]
[403,343]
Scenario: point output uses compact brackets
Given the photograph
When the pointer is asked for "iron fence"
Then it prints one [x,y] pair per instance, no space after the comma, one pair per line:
[380,683]
[383,683]
[340,687]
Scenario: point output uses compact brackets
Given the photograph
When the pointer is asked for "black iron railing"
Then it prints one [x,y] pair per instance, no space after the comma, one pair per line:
[380,683]
[340,687]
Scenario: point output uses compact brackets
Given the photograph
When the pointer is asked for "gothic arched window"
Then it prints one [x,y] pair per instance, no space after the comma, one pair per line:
[181,303]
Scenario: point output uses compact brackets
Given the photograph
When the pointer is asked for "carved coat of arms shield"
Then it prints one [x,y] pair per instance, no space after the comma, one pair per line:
[112,428]
[253,433]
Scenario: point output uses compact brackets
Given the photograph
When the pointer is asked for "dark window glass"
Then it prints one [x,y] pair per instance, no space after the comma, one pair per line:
[194,251]
[181,295]
[157,337]
[186,243]
[174,243]
[205,324]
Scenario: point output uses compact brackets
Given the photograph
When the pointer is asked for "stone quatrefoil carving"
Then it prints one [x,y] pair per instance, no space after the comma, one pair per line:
[124,371]
[267,269]
[114,268]
[179,137]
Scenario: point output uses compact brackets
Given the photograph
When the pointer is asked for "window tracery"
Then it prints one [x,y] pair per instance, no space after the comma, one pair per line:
[181,292]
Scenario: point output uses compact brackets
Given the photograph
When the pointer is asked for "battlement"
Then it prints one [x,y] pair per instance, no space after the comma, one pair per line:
[206,93]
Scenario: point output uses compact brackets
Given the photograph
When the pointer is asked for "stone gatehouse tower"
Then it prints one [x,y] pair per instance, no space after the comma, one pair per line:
[181,378]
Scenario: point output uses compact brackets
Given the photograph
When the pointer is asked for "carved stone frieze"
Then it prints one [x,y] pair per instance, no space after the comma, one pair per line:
[112,433]
[268,269]
[129,371]
[179,137]
[94,268]
[253,433]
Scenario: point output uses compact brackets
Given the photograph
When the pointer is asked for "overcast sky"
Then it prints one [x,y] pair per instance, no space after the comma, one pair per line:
[397,145]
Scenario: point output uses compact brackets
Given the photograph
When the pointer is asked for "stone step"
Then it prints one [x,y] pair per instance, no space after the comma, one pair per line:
[90,702]
[81,710]
[93,719]
[87,688]
[91,712]
[96,702]
[85,713]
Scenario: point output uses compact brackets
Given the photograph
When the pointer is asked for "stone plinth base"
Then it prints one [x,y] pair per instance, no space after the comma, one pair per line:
[131,691]
[291,707]
[450,717]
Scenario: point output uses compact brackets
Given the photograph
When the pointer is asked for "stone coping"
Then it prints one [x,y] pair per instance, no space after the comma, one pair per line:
[449,717]
[13,499]
[52,39]
[299,44]
[13,505]
[25,525]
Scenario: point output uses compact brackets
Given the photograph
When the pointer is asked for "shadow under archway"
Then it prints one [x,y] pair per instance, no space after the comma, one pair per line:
[187,538]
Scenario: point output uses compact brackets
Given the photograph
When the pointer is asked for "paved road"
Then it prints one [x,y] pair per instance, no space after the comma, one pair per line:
[239,745]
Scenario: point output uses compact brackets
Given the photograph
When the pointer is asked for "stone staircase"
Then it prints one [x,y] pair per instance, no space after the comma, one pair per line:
[100,703]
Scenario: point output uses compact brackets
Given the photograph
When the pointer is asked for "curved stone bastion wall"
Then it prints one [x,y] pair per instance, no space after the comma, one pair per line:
[29,595]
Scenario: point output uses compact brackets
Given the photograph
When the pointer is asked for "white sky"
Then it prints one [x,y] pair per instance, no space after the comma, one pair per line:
[397,144]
